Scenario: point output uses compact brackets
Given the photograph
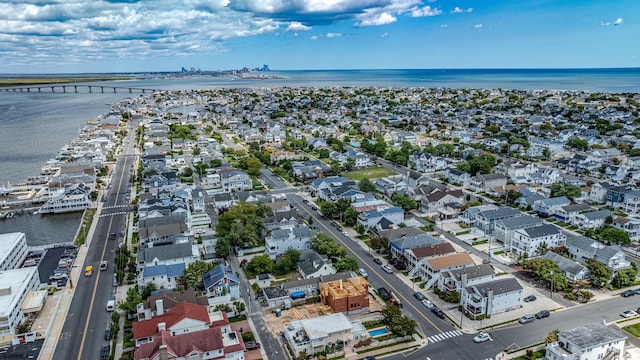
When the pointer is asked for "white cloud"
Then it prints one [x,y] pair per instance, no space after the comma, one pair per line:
[478,26]
[425,11]
[444,26]
[384,35]
[333,35]
[298,26]
[458,10]
[618,21]
[314,37]
[376,20]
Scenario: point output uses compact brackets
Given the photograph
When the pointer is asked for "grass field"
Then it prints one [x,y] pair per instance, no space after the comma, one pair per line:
[24,81]
[369,173]
[633,329]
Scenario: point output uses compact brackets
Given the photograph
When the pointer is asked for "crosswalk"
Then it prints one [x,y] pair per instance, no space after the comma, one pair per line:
[114,214]
[114,207]
[444,336]
[428,358]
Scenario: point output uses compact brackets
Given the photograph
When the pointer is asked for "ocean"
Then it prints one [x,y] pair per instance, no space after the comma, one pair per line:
[36,125]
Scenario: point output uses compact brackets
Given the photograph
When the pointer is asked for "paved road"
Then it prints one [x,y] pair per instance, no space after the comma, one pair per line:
[82,335]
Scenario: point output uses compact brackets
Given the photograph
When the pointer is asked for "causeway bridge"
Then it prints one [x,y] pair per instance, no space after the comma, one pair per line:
[74,88]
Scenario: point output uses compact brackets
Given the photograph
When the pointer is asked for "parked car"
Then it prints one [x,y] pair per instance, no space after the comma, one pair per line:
[628,314]
[105,351]
[427,303]
[530,298]
[638,291]
[103,265]
[418,295]
[377,261]
[482,337]
[363,272]
[527,319]
[628,293]
[439,313]
[107,334]
[252,345]
[542,314]
[370,357]
[388,269]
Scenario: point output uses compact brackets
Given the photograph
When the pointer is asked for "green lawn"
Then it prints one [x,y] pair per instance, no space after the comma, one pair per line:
[369,173]
[633,329]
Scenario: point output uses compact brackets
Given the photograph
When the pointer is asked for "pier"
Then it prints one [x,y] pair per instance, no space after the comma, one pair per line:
[76,88]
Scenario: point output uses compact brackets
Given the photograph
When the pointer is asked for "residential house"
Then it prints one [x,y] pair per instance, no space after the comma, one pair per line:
[198,200]
[631,203]
[459,177]
[433,266]
[160,229]
[548,206]
[233,180]
[313,265]
[413,258]
[516,168]
[221,284]
[431,203]
[425,162]
[569,268]
[390,185]
[583,248]
[490,298]
[454,280]
[485,182]
[505,228]
[531,241]
[592,220]
[568,213]
[184,318]
[164,264]
[369,219]
[280,240]
[163,300]
[524,202]
[411,240]
[630,225]
[485,220]
[312,335]
[590,342]
[599,190]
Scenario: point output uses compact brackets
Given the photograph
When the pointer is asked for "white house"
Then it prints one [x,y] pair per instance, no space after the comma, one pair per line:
[289,237]
[13,250]
[530,240]
[492,297]
[454,280]
[591,342]
[313,335]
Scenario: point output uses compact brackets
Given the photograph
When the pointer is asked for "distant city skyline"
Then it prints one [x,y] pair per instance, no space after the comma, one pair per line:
[89,36]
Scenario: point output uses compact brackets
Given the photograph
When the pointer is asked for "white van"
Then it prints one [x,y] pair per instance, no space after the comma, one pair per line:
[111,305]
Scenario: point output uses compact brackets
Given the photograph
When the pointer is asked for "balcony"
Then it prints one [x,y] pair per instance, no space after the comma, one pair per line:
[558,352]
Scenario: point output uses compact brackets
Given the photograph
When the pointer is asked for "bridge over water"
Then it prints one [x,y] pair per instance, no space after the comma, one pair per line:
[74,88]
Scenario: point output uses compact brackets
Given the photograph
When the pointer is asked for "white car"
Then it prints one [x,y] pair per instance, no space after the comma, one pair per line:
[628,314]
[427,303]
[388,269]
[482,337]
[363,272]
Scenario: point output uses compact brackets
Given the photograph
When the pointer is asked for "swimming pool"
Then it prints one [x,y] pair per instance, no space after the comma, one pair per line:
[378,332]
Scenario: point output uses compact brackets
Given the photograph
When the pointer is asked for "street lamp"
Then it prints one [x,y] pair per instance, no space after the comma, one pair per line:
[551,295]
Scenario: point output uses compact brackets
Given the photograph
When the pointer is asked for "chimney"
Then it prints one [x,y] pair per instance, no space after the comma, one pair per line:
[489,302]
[164,354]
[162,326]
[159,307]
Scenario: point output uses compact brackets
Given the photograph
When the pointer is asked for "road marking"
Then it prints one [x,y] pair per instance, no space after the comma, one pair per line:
[444,335]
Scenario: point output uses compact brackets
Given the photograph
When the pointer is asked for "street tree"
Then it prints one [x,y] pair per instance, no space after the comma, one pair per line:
[346,264]
[194,273]
[261,264]
[365,185]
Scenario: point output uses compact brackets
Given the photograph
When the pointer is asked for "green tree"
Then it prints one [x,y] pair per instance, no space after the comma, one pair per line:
[194,273]
[251,165]
[148,289]
[562,189]
[599,273]
[406,202]
[625,277]
[365,185]
[398,324]
[223,248]
[242,225]
[346,264]
[328,209]
[324,244]
[261,264]
[288,261]
[615,236]
[130,304]
[580,144]
[351,217]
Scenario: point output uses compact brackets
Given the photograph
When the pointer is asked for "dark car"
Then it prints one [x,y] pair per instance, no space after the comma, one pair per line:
[418,295]
[107,334]
[377,261]
[542,314]
[370,357]
[105,351]
[112,236]
[530,298]
[439,313]
[252,345]
[628,293]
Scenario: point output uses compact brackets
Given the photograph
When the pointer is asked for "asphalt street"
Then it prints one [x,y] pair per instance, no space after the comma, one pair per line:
[82,335]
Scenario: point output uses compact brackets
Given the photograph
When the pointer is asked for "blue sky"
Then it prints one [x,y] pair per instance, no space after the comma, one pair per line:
[73,36]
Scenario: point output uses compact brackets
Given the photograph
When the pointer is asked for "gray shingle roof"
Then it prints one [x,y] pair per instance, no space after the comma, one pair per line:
[165,252]
[501,286]
[594,215]
[520,221]
[541,230]
[473,272]
[564,264]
